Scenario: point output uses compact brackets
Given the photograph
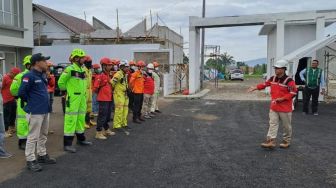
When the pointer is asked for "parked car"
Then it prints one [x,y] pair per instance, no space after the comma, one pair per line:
[58,69]
[237,74]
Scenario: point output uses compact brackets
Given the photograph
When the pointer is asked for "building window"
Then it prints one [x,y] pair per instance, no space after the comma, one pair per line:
[9,12]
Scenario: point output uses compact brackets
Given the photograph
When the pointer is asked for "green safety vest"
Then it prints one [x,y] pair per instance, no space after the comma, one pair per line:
[313,77]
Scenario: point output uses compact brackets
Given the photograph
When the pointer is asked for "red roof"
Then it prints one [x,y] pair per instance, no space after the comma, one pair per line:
[74,24]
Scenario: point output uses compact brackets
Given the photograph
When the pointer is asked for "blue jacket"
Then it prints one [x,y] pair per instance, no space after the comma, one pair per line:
[34,92]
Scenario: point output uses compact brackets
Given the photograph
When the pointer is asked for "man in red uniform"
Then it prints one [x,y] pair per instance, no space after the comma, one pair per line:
[95,74]
[148,91]
[104,91]
[51,84]
[283,89]
[9,102]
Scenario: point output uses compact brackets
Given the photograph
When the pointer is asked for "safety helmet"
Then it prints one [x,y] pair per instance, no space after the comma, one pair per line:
[96,66]
[15,70]
[132,63]
[281,63]
[156,64]
[141,64]
[50,64]
[77,52]
[150,66]
[115,61]
[87,58]
[26,60]
[106,61]
[124,63]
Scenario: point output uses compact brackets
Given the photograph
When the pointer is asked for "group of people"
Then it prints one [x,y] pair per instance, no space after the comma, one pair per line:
[111,87]
[283,89]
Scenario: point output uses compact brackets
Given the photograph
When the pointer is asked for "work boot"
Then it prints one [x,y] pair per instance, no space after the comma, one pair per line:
[158,111]
[127,127]
[70,149]
[8,134]
[284,144]
[108,132]
[11,129]
[141,119]
[46,159]
[22,144]
[147,116]
[269,143]
[84,143]
[34,166]
[87,126]
[100,135]
[126,131]
[93,123]
[152,114]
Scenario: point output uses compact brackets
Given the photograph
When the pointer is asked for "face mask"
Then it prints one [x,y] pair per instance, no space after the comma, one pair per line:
[115,67]
[157,68]
[150,71]
[135,68]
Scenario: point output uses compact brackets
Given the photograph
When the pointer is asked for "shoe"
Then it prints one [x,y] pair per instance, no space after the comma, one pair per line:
[12,130]
[108,132]
[126,131]
[158,111]
[141,119]
[6,156]
[127,127]
[147,117]
[316,114]
[34,166]
[100,135]
[92,123]
[152,114]
[22,144]
[87,126]
[269,143]
[284,144]
[70,149]
[136,121]
[46,159]
[8,134]
[84,143]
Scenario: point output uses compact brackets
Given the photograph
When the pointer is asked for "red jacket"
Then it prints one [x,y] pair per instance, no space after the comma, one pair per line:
[94,77]
[103,88]
[51,84]
[5,90]
[149,84]
[281,88]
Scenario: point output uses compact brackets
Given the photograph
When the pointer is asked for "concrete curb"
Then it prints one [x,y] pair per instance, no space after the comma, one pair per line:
[198,95]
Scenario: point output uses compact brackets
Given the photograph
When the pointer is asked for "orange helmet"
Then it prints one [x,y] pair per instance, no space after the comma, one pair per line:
[50,64]
[96,66]
[87,58]
[105,61]
[141,64]
[132,63]
[156,64]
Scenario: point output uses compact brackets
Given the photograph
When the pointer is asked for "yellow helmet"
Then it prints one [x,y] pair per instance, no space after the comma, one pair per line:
[26,60]
[77,52]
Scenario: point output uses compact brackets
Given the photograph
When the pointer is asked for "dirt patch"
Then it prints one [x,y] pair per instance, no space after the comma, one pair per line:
[206,117]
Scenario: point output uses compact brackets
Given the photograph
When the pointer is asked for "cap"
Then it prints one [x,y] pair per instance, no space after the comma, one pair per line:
[38,57]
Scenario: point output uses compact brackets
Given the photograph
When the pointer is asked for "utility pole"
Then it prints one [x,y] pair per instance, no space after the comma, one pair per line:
[150,11]
[118,26]
[202,47]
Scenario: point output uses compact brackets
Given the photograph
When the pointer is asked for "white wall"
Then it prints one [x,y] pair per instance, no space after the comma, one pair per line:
[52,29]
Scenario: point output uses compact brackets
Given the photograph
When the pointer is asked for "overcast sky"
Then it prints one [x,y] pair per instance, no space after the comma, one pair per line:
[241,42]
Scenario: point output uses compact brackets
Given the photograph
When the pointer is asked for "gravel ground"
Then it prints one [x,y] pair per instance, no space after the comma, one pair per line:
[199,143]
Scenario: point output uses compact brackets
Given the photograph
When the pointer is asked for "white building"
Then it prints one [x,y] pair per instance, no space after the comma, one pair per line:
[16,32]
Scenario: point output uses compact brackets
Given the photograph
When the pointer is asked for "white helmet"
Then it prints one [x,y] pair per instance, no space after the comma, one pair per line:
[150,66]
[281,63]
[124,63]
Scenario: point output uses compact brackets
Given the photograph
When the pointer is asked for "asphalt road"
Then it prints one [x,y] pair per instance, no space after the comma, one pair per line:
[201,143]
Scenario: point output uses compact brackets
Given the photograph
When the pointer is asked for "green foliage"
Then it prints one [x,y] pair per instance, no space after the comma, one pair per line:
[219,63]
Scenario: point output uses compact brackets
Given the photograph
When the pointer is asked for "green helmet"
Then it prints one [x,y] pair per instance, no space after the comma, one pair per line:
[77,52]
[26,60]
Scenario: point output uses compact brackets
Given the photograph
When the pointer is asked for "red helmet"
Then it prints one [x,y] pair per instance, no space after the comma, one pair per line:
[105,61]
[115,61]
[156,64]
[141,64]
[87,58]
[15,70]
[96,66]
[132,63]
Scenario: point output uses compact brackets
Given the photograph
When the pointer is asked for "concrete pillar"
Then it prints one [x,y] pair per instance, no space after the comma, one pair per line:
[194,60]
[280,39]
[320,27]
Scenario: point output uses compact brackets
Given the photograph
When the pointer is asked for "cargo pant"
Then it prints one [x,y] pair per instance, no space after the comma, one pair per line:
[277,118]
[147,104]
[37,137]
[155,102]
[121,110]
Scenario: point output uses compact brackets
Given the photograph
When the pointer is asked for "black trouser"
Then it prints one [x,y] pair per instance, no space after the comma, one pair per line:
[104,115]
[310,93]
[51,98]
[131,100]
[138,100]
[63,103]
[9,114]
[87,118]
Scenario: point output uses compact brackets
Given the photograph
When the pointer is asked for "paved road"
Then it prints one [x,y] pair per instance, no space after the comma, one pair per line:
[201,143]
